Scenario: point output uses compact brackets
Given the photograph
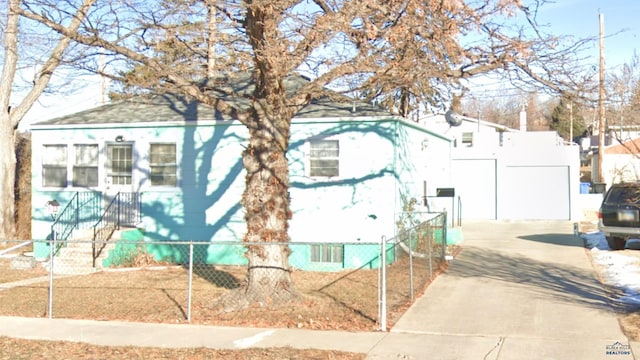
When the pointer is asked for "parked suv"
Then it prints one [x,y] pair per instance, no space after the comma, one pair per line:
[619,215]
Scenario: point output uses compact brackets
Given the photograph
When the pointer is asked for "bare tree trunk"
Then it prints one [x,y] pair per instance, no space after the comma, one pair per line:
[266,202]
[7,126]
[9,121]
[7,176]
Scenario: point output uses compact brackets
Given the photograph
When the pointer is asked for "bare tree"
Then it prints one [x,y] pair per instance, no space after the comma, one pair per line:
[401,53]
[10,116]
[623,106]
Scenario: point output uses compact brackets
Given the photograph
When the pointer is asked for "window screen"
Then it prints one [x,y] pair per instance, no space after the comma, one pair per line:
[323,158]
[54,166]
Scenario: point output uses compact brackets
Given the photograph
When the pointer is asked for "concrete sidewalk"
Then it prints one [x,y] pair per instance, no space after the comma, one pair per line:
[518,290]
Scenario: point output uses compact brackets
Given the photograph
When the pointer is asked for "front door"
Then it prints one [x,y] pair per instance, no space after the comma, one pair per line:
[119,169]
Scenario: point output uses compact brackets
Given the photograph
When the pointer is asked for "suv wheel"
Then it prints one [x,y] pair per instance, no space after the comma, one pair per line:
[615,242]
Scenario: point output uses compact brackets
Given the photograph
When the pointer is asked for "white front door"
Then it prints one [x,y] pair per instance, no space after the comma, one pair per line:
[119,170]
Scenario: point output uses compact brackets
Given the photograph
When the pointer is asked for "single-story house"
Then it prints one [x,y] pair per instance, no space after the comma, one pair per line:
[179,163]
[501,173]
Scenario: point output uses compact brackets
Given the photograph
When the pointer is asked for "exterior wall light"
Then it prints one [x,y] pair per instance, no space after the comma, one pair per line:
[53,206]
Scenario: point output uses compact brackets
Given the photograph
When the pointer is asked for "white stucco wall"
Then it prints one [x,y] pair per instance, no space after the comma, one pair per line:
[530,175]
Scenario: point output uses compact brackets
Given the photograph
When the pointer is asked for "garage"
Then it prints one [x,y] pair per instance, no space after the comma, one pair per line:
[535,193]
[475,183]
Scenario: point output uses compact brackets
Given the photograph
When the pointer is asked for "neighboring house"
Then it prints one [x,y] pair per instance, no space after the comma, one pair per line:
[621,132]
[506,174]
[350,166]
[621,162]
[470,132]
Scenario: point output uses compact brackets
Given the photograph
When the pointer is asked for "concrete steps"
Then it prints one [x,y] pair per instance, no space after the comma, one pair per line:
[76,256]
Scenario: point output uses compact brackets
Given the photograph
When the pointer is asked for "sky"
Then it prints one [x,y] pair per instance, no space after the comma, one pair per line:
[580,18]
[577,18]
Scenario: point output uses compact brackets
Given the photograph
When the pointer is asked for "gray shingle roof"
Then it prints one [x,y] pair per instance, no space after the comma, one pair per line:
[139,110]
[173,108]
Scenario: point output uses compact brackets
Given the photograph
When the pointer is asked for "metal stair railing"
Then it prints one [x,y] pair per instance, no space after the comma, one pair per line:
[122,210]
[71,217]
[65,222]
[108,223]
[81,212]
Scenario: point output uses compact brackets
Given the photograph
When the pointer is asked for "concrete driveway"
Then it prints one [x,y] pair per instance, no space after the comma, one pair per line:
[518,290]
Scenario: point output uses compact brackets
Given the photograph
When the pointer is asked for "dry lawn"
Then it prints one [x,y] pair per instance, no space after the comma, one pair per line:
[344,300]
[17,349]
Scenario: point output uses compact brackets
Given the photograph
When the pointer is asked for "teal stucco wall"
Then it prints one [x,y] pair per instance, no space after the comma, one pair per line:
[379,159]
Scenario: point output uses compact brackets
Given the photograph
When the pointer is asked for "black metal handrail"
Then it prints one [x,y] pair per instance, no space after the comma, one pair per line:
[122,210]
[108,223]
[64,223]
[83,211]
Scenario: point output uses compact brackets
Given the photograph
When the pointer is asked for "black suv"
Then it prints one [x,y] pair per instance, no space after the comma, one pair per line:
[619,215]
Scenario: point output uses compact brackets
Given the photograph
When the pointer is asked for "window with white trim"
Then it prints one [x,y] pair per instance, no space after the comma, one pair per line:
[324,158]
[326,253]
[163,164]
[467,139]
[85,166]
[54,166]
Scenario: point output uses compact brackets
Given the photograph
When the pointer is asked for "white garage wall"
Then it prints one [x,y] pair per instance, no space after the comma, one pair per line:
[528,181]
[477,193]
[535,193]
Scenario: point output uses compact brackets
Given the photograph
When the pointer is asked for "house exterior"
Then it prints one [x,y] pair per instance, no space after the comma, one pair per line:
[621,162]
[351,164]
[507,174]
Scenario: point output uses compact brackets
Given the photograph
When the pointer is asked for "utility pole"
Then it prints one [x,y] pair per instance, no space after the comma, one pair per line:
[601,102]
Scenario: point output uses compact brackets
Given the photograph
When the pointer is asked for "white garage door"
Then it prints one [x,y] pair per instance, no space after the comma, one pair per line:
[475,183]
[535,193]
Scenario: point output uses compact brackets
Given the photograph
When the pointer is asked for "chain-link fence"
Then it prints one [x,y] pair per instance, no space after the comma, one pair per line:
[335,285]
[414,257]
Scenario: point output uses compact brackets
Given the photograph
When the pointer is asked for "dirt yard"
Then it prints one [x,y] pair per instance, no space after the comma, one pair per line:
[344,300]
[44,350]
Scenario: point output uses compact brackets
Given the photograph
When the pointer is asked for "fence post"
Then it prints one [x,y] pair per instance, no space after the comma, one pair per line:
[52,245]
[411,285]
[93,248]
[77,210]
[444,236]
[430,240]
[383,286]
[190,281]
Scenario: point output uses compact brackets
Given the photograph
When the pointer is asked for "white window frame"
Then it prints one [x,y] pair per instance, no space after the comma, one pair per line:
[163,165]
[318,154]
[326,253]
[467,138]
[49,162]
[92,164]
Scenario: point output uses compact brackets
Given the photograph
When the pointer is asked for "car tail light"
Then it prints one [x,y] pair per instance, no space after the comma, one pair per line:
[599,215]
